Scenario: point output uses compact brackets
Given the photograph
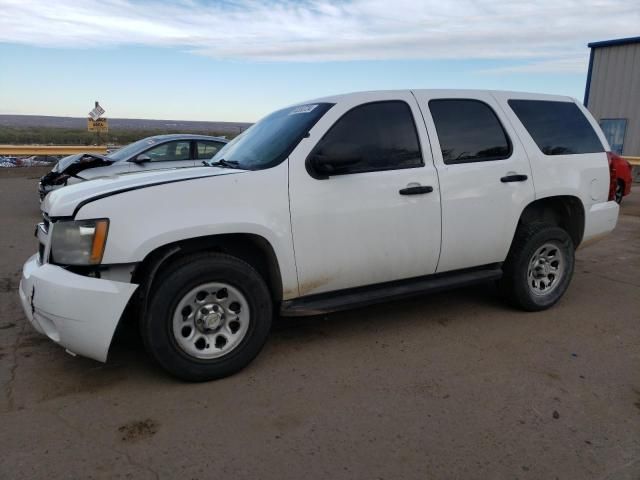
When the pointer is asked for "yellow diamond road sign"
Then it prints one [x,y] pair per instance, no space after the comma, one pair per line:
[98,125]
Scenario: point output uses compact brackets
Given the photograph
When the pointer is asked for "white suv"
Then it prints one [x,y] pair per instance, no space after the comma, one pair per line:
[331,204]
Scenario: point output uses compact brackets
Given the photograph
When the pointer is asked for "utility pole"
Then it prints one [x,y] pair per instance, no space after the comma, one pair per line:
[98,130]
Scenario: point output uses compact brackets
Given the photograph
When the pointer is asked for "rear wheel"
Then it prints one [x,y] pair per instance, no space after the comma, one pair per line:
[208,318]
[539,266]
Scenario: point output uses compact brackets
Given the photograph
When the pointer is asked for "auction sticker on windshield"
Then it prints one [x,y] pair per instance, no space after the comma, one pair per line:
[303,109]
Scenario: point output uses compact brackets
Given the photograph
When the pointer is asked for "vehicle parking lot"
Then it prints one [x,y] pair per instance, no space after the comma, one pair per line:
[452,385]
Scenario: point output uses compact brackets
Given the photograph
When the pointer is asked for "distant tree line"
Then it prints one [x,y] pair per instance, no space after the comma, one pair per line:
[68,136]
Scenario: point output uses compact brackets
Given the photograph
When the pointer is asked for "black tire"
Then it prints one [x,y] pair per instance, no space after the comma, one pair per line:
[619,194]
[515,282]
[185,275]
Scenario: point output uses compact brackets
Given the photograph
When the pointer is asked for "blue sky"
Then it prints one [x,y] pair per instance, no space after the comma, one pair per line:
[239,60]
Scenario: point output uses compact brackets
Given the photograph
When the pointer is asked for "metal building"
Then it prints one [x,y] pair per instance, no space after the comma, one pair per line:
[612,94]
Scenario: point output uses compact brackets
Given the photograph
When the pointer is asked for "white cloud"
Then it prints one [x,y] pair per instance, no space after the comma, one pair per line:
[556,65]
[551,34]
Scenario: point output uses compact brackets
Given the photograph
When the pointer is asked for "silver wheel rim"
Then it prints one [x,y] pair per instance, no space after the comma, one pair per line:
[546,268]
[211,320]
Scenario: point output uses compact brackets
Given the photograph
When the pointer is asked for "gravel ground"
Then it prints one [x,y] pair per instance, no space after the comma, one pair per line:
[453,385]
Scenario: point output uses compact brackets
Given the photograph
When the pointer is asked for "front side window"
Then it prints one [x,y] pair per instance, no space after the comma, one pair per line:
[207,150]
[558,128]
[169,152]
[372,137]
[469,131]
[271,140]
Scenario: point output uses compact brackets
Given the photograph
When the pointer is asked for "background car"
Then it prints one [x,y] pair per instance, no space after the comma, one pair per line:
[151,153]
[8,161]
[623,176]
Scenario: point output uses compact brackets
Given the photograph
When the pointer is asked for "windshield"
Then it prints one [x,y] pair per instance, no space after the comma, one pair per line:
[271,140]
[132,149]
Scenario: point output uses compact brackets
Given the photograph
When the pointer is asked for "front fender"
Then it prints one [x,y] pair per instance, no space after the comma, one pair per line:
[145,219]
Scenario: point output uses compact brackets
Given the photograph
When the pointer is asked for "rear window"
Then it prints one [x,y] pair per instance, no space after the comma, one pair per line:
[558,128]
[469,131]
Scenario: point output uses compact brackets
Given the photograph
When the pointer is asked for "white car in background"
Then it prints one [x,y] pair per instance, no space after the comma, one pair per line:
[151,153]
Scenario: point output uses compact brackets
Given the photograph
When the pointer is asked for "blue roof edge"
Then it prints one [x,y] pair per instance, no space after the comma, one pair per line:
[614,42]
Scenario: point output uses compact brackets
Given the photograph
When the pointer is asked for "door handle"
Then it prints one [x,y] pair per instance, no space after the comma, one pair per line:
[513,178]
[417,190]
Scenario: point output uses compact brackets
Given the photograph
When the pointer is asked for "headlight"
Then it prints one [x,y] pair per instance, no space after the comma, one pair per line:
[79,242]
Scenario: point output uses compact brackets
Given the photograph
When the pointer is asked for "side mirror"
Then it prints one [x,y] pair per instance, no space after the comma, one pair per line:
[142,158]
[322,167]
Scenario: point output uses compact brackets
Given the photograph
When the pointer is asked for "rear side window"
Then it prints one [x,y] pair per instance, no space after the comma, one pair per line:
[206,150]
[469,131]
[373,137]
[170,151]
[558,128]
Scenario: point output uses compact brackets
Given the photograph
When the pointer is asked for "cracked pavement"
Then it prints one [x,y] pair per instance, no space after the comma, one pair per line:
[452,385]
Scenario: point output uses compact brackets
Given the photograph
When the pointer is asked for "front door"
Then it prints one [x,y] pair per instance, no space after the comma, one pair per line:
[378,218]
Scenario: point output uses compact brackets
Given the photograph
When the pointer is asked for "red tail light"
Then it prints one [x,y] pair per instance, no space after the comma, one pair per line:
[612,174]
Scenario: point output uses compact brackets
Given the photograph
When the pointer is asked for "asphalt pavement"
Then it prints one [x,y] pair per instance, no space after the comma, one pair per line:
[446,386]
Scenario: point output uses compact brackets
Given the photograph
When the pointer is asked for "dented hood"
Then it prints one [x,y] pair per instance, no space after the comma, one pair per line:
[81,161]
[72,165]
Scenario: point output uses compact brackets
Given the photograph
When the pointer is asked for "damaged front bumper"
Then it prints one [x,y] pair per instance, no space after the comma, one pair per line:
[79,313]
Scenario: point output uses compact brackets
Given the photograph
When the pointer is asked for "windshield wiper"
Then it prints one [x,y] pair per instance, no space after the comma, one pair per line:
[223,163]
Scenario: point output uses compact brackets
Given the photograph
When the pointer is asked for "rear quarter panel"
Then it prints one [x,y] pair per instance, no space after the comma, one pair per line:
[585,176]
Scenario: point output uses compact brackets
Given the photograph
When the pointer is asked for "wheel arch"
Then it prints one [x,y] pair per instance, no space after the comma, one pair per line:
[564,211]
[252,248]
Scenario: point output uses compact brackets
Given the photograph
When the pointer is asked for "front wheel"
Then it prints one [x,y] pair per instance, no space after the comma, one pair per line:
[539,266]
[208,318]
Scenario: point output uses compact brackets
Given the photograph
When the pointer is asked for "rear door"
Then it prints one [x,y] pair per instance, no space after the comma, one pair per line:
[484,173]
